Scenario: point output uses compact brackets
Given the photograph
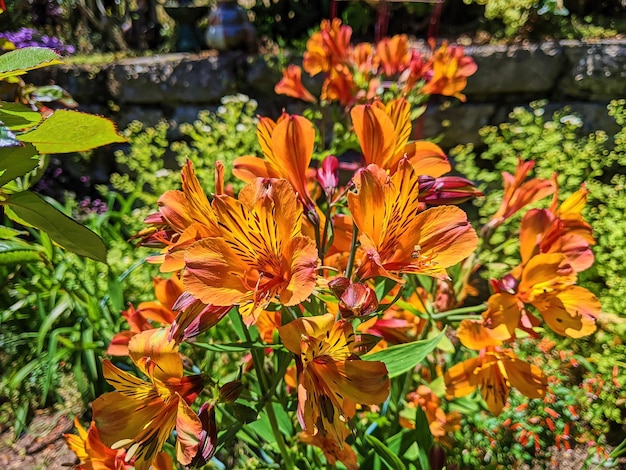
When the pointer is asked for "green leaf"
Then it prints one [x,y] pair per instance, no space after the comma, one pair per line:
[17,117]
[71,131]
[390,458]
[63,230]
[20,61]
[404,357]
[16,162]
[20,257]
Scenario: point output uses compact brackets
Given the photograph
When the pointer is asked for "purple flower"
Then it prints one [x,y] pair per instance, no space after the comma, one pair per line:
[28,37]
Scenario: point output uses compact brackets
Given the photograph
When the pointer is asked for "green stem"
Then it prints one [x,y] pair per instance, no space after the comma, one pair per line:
[355,235]
[258,359]
[458,311]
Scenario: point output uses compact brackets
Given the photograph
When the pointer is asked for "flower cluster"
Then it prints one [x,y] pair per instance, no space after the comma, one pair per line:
[554,246]
[335,283]
[357,73]
[28,37]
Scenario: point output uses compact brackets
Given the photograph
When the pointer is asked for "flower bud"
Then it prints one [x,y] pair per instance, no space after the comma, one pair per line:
[446,190]
[328,175]
[339,285]
[357,300]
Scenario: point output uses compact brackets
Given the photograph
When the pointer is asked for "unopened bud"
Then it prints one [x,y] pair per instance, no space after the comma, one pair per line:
[446,190]
[358,300]
[339,285]
[328,175]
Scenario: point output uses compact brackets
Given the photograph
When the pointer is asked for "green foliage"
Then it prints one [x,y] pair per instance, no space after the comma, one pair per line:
[224,135]
[510,18]
[62,131]
[557,144]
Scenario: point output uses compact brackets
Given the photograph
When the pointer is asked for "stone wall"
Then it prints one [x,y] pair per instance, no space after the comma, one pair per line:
[584,75]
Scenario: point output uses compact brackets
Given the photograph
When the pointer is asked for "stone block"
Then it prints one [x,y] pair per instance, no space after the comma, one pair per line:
[174,78]
[458,124]
[519,69]
[596,71]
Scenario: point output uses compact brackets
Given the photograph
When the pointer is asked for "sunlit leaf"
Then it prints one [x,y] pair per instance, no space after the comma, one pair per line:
[404,357]
[390,458]
[20,61]
[71,131]
[63,230]
[17,161]
[16,116]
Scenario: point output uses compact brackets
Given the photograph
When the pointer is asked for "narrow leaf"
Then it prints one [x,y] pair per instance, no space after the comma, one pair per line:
[19,61]
[404,357]
[63,230]
[71,131]
[17,117]
[20,257]
[16,162]
[390,458]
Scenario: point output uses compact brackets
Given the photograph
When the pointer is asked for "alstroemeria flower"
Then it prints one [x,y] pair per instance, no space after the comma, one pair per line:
[384,132]
[441,424]
[260,257]
[547,283]
[140,415]
[92,453]
[287,146]
[339,86]
[328,47]
[560,229]
[397,325]
[331,377]
[395,236]
[291,84]
[394,54]
[495,370]
[451,68]
[519,193]
[333,451]
[184,217]
[167,291]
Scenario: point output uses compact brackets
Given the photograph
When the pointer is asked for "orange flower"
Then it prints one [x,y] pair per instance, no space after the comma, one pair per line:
[362,56]
[287,146]
[333,451]
[547,283]
[560,229]
[383,133]
[394,54]
[291,85]
[331,378]
[395,237]
[140,415]
[518,193]
[397,325]
[339,86]
[441,424]
[494,371]
[184,217]
[327,47]
[167,291]
[261,255]
[91,452]
[451,68]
